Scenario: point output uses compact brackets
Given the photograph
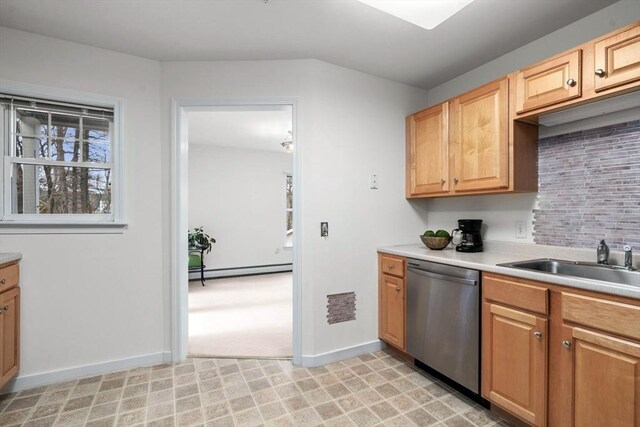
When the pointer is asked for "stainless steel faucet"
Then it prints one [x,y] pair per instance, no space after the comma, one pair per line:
[628,257]
[603,253]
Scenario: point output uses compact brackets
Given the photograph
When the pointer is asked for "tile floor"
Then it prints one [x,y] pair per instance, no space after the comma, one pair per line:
[370,390]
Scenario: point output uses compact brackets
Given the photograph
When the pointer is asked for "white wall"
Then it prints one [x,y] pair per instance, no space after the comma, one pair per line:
[501,212]
[239,196]
[88,299]
[352,124]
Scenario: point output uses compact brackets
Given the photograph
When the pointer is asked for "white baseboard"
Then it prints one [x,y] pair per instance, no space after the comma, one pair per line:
[341,354]
[25,382]
[213,274]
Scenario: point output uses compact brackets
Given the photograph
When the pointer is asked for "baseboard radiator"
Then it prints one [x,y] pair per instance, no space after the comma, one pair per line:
[241,271]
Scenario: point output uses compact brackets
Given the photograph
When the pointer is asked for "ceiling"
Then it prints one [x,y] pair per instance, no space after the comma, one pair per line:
[343,32]
[252,130]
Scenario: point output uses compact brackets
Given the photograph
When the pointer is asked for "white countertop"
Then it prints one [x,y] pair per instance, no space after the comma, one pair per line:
[503,252]
[6,257]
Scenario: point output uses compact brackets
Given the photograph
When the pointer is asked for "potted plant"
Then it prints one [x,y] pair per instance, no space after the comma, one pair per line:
[198,241]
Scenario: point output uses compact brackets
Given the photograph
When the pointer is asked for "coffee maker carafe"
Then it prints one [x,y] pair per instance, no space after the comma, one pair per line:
[470,238]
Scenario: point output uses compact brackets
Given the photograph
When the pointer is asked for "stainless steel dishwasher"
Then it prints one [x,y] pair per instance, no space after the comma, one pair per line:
[443,320]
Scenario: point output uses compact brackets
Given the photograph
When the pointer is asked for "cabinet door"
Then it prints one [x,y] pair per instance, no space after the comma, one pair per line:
[391,311]
[617,60]
[9,334]
[549,83]
[514,362]
[428,151]
[606,380]
[479,135]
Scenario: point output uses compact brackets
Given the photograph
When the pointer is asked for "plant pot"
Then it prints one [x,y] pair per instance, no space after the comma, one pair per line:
[194,260]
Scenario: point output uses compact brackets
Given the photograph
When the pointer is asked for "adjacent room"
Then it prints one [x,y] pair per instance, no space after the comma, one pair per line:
[241,232]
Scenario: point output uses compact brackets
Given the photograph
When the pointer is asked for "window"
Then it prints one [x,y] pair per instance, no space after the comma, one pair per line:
[289,211]
[59,161]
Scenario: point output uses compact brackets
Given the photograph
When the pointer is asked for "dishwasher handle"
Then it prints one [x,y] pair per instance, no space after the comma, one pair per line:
[461,280]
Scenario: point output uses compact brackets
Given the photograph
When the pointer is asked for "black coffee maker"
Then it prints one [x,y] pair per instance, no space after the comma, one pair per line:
[470,238]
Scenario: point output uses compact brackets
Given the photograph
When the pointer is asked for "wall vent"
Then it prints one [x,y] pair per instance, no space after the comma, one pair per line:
[341,307]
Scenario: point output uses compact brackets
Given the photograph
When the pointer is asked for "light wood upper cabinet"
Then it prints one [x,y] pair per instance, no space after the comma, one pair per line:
[480,138]
[549,82]
[428,151]
[617,60]
[391,303]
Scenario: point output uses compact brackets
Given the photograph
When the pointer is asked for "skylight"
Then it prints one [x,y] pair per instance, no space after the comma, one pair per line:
[427,14]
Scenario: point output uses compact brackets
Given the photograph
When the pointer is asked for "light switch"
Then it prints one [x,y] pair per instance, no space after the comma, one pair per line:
[521,230]
[324,229]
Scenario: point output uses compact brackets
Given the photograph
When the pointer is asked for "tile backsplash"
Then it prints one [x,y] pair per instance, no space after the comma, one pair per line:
[589,188]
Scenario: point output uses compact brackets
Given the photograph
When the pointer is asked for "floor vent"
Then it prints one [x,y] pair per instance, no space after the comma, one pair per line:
[341,307]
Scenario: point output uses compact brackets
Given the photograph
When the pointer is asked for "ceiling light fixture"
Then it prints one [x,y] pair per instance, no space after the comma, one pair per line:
[427,14]
[287,144]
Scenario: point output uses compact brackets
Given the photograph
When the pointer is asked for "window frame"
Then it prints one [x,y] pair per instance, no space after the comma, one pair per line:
[53,222]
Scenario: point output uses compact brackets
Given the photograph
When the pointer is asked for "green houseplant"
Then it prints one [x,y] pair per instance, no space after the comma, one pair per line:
[198,241]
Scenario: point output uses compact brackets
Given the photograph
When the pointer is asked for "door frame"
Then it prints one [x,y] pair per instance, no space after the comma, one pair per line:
[179,187]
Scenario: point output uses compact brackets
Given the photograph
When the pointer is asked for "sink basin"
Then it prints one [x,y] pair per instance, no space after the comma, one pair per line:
[585,270]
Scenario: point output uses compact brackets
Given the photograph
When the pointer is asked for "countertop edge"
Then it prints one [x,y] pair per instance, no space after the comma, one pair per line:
[6,258]
[586,284]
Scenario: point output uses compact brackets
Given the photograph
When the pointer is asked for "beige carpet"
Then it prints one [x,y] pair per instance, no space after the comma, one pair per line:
[241,317]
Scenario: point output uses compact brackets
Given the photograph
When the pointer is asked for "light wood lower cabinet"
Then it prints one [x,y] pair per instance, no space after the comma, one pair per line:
[391,300]
[9,323]
[560,357]
[514,348]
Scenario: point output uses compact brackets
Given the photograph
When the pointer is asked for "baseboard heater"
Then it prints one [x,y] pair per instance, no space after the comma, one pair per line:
[215,273]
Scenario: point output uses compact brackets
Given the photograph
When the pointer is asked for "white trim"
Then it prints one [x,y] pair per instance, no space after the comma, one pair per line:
[45,378]
[23,227]
[117,146]
[342,354]
[212,274]
[179,220]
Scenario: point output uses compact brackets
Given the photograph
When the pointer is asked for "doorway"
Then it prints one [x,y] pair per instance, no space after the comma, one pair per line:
[244,286]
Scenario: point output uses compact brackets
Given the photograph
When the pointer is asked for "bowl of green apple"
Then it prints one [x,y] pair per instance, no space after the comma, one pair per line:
[436,240]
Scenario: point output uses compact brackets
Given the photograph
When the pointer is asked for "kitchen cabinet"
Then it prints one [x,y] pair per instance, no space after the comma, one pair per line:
[391,300]
[428,151]
[559,356]
[601,361]
[514,348]
[617,59]
[9,322]
[466,146]
[549,82]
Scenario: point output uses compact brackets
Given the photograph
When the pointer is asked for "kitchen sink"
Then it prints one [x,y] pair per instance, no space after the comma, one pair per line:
[585,270]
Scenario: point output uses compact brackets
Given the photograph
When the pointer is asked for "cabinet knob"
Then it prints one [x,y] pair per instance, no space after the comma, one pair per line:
[571,82]
[600,72]
[3,281]
[537,335]
[566,344]
[4,308]
[397,288]
[455,180]
[442,181]
[390,267]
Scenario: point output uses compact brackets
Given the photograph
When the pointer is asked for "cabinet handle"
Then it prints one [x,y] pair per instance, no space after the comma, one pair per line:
[442,181]
[537,335]
[566,344]
[455,180]
[390,267]
[397,288]
[571,82]
[600,72]
[3,281]
[4,308]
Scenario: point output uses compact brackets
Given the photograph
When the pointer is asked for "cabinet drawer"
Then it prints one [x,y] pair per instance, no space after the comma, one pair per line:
[9,276]
[516,293]
[392,265]
[609,316]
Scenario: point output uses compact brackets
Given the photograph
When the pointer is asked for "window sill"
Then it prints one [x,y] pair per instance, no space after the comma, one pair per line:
[28,227]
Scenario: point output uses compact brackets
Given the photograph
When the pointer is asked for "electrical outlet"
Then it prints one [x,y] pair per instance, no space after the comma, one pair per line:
[324,229]
[521,230]
[374,181]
